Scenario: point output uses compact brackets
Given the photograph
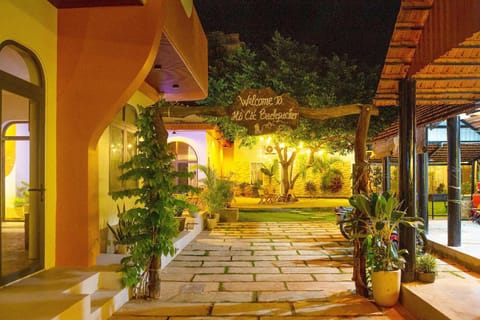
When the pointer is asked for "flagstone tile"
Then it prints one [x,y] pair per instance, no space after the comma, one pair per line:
[351,307]
[294,257]
[255,270]
[253,286]
[176,276]
[287,263]
[146,309]
[228,252]
[227,264]
[203,258]
[214,297]
[177,263]
[231,309]
[223,277]
[291,295]
[333,287]
[309,270]
[194,270]
[253,258]
[333,277]
[283,277]
[194,252]
[282,244]
[275,253]
[170,289]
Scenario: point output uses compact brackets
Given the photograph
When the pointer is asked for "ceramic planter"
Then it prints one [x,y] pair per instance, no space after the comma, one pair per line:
[428,277]
[211,223]
[386,287]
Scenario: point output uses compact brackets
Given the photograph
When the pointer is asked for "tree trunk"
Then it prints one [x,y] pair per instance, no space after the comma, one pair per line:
[360,185]
[161,132]
[153,284]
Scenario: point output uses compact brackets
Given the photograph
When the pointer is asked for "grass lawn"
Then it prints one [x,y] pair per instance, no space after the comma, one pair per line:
[286,214]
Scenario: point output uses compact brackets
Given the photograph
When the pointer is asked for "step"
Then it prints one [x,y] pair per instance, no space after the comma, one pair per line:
[442,300]
[104,302]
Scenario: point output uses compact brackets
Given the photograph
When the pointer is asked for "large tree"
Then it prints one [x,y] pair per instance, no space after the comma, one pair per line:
[315,81]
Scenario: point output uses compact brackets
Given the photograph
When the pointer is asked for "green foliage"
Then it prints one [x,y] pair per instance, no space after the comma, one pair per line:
[271,170]
[332,180]
[440,188]
[310,188]
[288,66]
[218,192]
[151,225]
[23,195]
[378,217]
[121,231]
[426,263]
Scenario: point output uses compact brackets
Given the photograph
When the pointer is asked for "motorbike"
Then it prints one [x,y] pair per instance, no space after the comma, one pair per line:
[345,227]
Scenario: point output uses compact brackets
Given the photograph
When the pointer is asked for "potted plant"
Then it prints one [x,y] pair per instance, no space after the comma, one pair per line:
[384,261]
[214,195]
[426,266]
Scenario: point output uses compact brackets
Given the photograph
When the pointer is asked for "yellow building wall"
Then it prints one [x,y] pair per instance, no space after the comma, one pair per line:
[33,24]
[238,167]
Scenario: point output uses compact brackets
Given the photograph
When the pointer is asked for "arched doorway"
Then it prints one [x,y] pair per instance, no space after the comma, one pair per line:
[186,160]
[22,162]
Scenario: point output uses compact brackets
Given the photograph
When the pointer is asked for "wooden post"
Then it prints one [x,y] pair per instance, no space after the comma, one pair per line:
[423,188]
[454,178]
[407,168]
[386,167]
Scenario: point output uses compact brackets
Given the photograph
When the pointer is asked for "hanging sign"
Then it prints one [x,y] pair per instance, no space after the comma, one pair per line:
[262,111]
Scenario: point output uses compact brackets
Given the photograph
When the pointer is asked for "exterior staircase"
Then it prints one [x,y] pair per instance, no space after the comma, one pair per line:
[64,294]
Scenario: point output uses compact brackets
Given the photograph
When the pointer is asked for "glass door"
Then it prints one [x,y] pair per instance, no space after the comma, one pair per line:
[22,190]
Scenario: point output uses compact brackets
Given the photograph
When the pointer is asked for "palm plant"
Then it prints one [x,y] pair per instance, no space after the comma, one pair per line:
[381,219]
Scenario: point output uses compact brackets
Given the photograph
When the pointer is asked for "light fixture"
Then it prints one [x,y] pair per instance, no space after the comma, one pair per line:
[174,132]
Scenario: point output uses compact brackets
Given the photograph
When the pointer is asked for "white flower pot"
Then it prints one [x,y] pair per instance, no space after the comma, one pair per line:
[386,287]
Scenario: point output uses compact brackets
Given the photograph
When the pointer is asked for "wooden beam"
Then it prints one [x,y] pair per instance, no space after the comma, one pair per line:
[317,113]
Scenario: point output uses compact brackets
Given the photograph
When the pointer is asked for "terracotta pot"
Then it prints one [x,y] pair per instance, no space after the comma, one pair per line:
[386,287]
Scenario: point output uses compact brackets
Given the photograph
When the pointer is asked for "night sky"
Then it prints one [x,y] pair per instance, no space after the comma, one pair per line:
[360,28]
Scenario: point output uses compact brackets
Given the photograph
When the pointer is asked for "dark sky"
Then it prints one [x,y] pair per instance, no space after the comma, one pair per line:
[360,28]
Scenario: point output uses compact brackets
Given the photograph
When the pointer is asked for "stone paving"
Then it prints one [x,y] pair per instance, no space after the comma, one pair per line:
[256,271]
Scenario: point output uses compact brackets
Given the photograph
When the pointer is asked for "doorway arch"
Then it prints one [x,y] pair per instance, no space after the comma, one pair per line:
[22,191]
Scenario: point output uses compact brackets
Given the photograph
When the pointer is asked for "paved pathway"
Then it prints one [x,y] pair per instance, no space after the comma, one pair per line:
[259,271]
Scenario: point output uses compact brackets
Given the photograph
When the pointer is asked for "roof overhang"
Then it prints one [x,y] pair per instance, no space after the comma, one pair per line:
[180,70]
[62,4]
[437,43]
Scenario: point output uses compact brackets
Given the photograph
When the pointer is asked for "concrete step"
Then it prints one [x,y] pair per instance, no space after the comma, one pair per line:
[63,294]
[442,300]
[104,302]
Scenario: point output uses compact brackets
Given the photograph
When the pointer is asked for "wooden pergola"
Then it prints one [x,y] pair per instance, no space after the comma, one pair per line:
[432,73]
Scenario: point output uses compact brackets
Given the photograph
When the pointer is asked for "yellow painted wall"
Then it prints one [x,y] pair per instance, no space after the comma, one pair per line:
[33,24]
[239,168]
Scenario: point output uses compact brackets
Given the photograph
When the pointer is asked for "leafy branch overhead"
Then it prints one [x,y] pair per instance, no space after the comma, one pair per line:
[318,83]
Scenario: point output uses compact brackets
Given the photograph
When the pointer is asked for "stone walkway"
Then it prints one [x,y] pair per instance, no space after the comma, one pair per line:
[259,271]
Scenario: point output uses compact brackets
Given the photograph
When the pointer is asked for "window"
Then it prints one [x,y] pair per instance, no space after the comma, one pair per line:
[123,146]
[185,161]
[256,175]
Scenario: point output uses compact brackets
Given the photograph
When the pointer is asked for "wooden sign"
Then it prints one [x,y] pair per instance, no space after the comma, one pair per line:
[262,111]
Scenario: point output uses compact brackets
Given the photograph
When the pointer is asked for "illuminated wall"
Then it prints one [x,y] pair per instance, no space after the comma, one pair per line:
[33,24]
